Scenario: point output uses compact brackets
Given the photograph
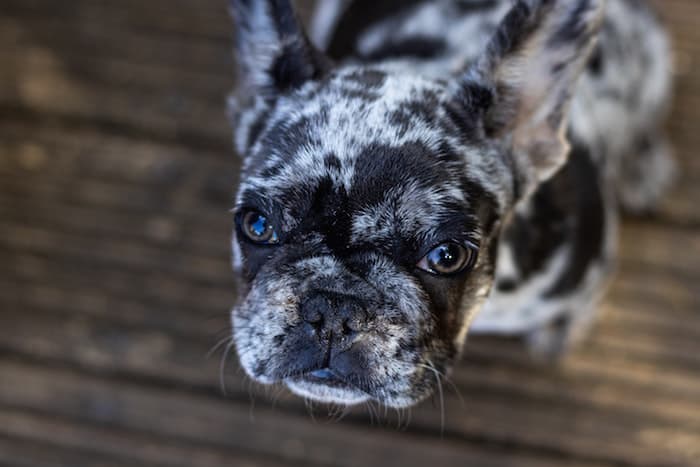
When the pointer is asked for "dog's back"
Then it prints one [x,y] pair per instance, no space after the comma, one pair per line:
[557,251]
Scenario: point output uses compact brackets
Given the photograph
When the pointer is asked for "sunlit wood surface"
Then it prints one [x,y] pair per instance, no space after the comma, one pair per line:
[116,178]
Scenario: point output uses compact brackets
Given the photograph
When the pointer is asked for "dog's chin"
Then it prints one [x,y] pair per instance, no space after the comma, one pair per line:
[329,393]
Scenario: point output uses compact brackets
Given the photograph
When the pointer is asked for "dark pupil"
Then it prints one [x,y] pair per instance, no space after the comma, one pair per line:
[258,226]
[446,258]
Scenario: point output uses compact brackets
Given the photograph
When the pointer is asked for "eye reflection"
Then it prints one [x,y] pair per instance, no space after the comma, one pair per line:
[258,229]
[448,258]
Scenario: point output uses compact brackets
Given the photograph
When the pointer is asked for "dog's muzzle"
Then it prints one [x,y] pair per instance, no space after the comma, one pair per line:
[333,323]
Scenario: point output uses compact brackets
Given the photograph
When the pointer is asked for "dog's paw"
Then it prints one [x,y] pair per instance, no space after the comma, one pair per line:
[646,176]
[549,344]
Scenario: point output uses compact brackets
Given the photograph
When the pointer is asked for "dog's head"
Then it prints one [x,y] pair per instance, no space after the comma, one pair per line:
[370,201]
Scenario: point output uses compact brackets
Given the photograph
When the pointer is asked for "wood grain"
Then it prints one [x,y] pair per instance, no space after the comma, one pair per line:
[116,177]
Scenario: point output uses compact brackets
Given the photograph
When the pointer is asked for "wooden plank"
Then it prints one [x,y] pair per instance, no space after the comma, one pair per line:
[22,453]
[164,229]
[161,113]
[162,177]
[35,440]
[208,21]
[119,253]
[633,377]
[99,38]
[207,86]
[51,283]
[110,91]
[646,243]
[229,425]
[63,150]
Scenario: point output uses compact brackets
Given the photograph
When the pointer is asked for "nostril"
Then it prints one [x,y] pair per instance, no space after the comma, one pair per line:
[327,314]
[354,324]
[355,318]
[313,317]
[312,311]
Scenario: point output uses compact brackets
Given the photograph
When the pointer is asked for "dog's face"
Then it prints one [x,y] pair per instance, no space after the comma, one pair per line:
[369,206]
[364,238]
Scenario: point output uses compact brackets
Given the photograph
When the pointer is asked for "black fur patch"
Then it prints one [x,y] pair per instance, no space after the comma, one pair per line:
[589,224]
[355,20]
[568,209]
[411,47]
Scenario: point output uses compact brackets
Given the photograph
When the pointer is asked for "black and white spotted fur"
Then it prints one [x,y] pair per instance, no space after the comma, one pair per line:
[516,126]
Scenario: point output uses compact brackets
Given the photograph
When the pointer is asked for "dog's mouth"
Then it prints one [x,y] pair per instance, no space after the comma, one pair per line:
[325,385]
[325,376]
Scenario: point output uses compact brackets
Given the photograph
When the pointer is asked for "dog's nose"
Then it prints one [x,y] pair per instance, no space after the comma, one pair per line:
[331,315]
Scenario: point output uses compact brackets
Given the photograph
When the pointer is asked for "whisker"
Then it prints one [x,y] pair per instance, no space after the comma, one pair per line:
[409,417]
[251,409]
[446,379]
[399,417]
[277,390]
[222,367]
[218,345]
[310,408]
[370,409]
[437,375]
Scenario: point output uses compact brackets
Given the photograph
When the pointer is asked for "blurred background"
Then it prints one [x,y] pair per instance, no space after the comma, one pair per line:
[116,178]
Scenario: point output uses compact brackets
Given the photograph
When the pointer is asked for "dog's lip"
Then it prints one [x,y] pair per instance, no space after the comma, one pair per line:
[323,385]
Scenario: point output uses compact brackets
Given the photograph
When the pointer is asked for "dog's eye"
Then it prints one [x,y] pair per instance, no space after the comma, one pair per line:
[448,258]
[256,227]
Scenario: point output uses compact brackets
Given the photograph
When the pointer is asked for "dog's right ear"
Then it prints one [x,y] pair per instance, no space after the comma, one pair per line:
[526,78]
[274,53]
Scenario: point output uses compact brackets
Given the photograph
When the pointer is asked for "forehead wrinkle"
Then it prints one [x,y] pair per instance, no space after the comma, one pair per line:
[409,211]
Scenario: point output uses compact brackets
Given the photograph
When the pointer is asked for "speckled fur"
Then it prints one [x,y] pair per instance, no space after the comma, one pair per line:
[449,120]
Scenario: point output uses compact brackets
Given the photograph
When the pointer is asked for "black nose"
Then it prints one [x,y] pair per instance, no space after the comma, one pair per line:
[332,316]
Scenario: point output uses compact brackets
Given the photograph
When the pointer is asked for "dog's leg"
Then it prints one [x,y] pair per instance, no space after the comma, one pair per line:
[552,342]
[645,173]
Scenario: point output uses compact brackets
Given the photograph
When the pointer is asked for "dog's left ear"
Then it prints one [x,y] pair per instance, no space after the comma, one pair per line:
[524,81]
[274,54]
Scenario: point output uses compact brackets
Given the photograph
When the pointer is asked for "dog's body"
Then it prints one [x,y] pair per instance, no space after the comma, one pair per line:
[445,123]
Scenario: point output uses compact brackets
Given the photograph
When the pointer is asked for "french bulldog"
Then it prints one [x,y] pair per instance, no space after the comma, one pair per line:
[442,168]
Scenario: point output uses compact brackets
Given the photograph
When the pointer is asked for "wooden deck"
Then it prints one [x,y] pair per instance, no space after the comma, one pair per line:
[115,183]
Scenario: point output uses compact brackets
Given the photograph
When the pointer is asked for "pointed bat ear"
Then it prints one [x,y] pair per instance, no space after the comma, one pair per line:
[273,51]
[531,67]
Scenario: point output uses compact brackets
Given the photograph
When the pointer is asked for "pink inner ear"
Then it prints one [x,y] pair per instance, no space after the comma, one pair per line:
[536,82]
[546,149]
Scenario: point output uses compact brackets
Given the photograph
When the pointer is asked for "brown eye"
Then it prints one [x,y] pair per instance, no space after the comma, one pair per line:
[448,258]
[256,227]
